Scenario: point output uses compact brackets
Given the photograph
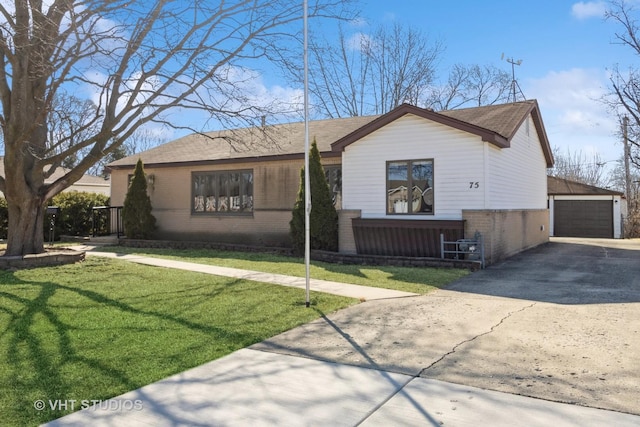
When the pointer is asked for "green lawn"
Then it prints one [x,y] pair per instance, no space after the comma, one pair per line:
[410,279]
[97,329]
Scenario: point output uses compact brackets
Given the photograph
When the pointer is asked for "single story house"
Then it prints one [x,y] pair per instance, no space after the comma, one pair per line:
[88,183]
[399,179]
[581,210]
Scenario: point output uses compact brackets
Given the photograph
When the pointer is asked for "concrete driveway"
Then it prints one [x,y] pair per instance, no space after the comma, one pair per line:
[560,322]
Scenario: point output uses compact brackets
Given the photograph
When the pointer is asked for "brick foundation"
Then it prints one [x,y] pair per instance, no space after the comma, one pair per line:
[346,240]
[507,232]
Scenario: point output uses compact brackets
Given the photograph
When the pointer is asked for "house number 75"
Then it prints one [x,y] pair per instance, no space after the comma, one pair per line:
[474,184]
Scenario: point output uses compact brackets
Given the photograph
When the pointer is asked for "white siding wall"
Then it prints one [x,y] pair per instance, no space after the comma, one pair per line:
[518,174]
[457,157]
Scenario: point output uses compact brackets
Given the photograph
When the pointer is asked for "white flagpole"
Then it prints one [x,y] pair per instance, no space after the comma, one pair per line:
[307,185]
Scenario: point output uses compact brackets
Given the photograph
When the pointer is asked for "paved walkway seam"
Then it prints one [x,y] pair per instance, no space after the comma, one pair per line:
[387,400]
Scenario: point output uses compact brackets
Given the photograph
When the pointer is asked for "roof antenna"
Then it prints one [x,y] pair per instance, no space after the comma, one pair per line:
[514,82]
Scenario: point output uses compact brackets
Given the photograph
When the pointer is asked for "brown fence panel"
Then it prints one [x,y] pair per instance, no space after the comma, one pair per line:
[394,237]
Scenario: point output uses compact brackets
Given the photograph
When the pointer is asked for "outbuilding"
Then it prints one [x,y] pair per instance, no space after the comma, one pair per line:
[581,210]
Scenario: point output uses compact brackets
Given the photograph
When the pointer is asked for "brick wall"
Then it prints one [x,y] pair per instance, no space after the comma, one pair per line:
[507,232]
[346,241]
[275,188]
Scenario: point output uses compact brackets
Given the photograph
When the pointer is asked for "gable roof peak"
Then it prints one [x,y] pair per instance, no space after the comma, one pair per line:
[496,124]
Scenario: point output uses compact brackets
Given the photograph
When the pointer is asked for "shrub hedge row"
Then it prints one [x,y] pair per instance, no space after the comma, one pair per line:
[74,218]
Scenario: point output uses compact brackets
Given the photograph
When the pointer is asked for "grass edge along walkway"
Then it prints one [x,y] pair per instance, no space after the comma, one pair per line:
[363,293]
[418,280]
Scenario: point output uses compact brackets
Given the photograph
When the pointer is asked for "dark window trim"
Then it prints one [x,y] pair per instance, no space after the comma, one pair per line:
[227,213]
[409,162]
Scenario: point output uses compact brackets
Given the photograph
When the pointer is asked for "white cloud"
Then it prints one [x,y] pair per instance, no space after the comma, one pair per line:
[575,92]
[574,117]
[99,80]
[585,10]
[237,89]
[251,89]
[359,42]
[390,16]
[358,23]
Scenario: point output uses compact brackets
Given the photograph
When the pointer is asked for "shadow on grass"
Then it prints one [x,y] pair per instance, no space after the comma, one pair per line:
[64,343]
[34,365]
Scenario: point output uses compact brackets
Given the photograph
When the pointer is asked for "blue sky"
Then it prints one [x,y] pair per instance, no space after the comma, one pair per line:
[566,48]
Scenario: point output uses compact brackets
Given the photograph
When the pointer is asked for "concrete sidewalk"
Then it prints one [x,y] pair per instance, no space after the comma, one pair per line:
[251,387]
[524,336]
[364,293]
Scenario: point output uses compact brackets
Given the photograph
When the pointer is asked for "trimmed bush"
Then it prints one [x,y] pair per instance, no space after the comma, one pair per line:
[74,218]
[138,221]
[323,218]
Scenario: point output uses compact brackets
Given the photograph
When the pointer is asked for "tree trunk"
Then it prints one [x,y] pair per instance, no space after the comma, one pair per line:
[24,191]
[26,232]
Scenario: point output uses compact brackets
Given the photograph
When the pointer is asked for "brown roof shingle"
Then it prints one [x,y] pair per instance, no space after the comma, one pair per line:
[503,119]
[60,172]
[560,186]
[495,123]
[276,140]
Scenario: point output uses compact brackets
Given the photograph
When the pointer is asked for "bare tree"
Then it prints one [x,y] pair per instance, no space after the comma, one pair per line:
[67,125]
[141,140]
[403,66]
[471,86]
[365,74]
[619,182]
[339,79]
[618,177]
[372,73]
[576,166]
[135,60]
[624,99]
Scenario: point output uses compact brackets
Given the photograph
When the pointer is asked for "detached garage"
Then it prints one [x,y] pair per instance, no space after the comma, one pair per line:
[580,210]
